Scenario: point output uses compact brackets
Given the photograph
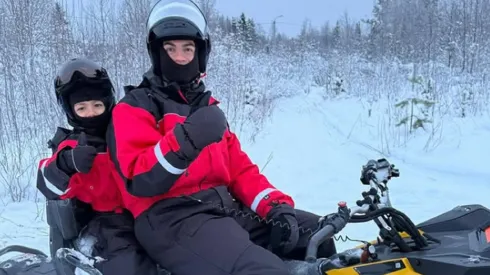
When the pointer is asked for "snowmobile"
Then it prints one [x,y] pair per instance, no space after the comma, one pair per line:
[454,242]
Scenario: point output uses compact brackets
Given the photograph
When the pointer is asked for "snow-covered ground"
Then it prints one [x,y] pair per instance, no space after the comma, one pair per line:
[317,149]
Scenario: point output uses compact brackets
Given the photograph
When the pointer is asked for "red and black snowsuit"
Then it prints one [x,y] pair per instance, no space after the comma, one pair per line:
[198,216]
[111,225]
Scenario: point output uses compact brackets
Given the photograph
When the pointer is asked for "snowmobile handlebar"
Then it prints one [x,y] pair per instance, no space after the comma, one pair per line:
[78,260]
[328,226]
[21,249]
[376,174]
[316,240]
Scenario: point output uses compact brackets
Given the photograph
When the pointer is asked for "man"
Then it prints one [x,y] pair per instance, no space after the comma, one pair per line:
[200,204]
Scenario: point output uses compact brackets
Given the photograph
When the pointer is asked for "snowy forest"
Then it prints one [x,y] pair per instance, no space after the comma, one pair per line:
[414,61]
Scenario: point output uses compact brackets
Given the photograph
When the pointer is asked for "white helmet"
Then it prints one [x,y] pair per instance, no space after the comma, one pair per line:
[177,19]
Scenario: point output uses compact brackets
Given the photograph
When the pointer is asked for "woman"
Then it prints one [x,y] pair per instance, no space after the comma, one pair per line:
[80,168]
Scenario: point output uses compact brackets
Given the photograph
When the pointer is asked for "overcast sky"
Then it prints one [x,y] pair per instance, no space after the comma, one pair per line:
[295,11]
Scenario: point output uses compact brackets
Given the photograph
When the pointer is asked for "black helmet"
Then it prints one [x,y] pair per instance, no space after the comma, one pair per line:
[177,19]
[78,74]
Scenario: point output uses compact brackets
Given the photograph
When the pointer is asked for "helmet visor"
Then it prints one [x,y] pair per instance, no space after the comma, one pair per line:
[177,10]
[85,68]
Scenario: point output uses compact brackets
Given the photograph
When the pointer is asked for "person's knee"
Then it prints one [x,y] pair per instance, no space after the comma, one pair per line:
[256,260]
[129,261]
[214,246]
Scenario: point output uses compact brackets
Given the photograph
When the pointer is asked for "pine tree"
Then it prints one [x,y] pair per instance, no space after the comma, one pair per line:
[61,38]
[418,114]
[358,37]
[336,35]
[245,32]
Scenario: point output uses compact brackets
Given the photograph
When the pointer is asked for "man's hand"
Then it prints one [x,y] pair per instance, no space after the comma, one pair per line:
[284,229]
[205,126]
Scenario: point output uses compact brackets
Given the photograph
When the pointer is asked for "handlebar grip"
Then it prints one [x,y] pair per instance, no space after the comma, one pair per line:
[316,240]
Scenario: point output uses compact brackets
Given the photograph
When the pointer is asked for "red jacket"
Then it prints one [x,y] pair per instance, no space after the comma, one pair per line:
[142,145]
[97,188]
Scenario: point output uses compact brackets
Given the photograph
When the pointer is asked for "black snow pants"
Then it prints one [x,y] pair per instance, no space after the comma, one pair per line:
[211,233]
[117,244]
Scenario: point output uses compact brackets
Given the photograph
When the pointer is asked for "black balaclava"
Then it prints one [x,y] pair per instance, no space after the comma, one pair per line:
[185,76]
[96,125]
[181,74]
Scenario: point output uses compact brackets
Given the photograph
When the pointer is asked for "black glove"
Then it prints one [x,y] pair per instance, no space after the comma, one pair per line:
[79,159]
[284,229]
[203,127]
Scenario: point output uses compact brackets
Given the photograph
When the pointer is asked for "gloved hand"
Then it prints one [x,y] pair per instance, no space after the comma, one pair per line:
[81,158]
[284,230]
[203,127]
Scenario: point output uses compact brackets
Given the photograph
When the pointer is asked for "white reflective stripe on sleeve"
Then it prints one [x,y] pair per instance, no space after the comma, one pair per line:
[260,196]
[48,184]
[164,162]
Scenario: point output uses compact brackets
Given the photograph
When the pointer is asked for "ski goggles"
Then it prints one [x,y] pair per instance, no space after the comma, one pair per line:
[75,72]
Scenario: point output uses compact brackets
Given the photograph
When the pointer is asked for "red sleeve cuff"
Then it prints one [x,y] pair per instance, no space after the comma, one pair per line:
[267,199]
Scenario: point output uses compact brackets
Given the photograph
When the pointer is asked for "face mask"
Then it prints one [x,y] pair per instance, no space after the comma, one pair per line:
[181,74]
